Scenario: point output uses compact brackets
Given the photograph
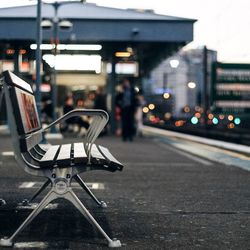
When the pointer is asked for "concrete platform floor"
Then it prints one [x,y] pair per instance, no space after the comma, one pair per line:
[164,199]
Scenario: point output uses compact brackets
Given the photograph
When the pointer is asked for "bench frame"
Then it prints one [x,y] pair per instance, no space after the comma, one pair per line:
[59,178]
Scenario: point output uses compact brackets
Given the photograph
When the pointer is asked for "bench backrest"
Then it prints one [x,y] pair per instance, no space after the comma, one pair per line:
[21,99]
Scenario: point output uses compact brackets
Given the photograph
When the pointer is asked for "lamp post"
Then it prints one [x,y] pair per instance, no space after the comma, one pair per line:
[38,56]
[56,23]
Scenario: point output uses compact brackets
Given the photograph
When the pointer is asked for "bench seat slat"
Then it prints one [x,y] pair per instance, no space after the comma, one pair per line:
[110,158]
[96,156]
[64,157]
[49,157]
[80,155]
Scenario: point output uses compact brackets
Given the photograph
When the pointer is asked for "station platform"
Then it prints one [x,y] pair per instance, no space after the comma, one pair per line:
[174,193]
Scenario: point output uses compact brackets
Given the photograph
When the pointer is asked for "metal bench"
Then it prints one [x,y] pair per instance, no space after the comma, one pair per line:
[60,164]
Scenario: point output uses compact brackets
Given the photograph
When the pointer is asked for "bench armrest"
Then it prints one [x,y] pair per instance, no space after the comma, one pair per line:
[79,112]
[100,119]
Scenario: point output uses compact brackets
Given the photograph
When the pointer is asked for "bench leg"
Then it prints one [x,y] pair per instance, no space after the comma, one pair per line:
[70,196]
[26,202]
[45,201]
[88,191]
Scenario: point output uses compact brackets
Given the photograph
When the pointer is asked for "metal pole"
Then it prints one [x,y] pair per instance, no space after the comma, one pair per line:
[54,86]
[205,81]
[112,91]
[38,56]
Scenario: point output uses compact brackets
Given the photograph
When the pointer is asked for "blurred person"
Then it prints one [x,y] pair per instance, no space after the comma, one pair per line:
[100,99]
[139,114]
[47,110]
[89,102]
[101,103]
[127,102]
[69,106]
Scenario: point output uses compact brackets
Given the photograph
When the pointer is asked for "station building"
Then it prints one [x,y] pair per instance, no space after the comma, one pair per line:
[88,45]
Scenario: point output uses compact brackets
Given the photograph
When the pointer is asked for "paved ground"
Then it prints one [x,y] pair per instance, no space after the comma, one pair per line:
[164,199]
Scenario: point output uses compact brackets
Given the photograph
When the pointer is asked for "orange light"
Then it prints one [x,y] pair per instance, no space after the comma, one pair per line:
[210,116]
[231,125]
[230,117]
[10,51]
[151,106]
[186,109]
[22,51]
[179,123]
[122,54]
[145,110]
[152,118]
[198,115]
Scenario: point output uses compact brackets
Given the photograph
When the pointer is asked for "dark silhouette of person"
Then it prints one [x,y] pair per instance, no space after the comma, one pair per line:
[127,102]
[47,110]
[69,106]
[100,99]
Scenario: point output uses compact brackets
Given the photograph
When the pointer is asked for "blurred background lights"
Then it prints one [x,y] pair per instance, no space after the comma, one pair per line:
[174,63]
[230,117]
[194,120]
[215,121]
[210,116]
[186,109]
[166,95]
[167,115]
[237,120]
[191,85]
[151,106]
[231,125]
[145,110]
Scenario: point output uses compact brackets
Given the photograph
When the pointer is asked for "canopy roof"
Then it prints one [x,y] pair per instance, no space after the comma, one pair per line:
[154,36]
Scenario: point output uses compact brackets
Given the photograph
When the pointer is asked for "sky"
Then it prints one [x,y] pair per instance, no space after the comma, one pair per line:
[222,25]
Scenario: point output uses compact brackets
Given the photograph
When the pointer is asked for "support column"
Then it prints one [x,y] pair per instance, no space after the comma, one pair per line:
[38,56]
[112,92]
[16,60]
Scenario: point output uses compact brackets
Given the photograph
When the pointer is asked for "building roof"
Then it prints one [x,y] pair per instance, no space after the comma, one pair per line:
[86,11]
[154,36]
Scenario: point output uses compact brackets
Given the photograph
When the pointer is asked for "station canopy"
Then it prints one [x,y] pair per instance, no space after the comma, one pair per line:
[151,36]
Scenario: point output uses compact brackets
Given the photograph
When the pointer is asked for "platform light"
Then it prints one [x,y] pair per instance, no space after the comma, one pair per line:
[151,106]
[174,63]
[179,123]
[167,115]
[22,51]
[237,121]
[166,95]
[210,116]
[194,120]
[86,47]
[145,110]
[122,54]
[221,117]
[187,109]
[137,90]
[215,121]
[198,115]
[231,125]
[191,85]
[10,51]
[74,62]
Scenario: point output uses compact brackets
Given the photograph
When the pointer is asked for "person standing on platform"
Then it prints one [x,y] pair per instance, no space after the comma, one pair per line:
[127,102]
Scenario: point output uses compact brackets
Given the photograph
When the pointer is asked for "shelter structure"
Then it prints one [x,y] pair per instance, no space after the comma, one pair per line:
[147,36]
